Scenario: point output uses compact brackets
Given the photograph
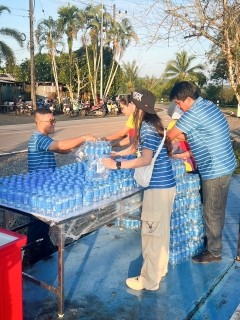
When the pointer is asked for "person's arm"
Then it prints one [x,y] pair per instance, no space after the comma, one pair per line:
[119,134]
[66,146]
[175,133]
[184,155]
[126,152]
[144,160]
[122,143]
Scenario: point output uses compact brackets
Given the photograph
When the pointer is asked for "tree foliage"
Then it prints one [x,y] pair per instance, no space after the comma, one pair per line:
[181,69]
[80,70]
[49,35]
[6,53]
[130,74]
[69,24]
[217,21]
[211,92]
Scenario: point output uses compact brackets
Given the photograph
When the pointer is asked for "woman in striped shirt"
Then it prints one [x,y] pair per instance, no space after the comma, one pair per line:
[158,196]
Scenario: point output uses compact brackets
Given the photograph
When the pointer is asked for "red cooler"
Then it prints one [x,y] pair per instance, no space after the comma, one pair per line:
[11,304]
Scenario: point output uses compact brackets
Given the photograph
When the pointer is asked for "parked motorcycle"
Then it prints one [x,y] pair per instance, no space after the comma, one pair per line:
[29,107]
[97,110]
[83,108]
[66,107]
[57,107]
[52,108]
[75,108]
[24,107]
[40,103]
[112,108]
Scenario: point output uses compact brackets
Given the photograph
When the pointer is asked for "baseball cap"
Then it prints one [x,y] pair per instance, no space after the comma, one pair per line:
[144,100]
[171,108]
[177,113]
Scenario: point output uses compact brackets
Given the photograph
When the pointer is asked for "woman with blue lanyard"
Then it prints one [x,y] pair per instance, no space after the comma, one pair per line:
[158,196]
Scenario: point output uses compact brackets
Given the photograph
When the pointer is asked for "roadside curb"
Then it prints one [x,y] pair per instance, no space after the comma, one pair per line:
[10,153]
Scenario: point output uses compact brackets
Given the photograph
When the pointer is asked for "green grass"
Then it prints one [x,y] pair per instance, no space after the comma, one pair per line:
[237,154]
[229,109]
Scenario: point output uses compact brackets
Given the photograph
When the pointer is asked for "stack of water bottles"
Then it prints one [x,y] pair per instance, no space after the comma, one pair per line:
[186,225]
[69,188]
[133,208]
[92,151]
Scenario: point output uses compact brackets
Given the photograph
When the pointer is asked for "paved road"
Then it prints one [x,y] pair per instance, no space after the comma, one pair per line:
[14,138]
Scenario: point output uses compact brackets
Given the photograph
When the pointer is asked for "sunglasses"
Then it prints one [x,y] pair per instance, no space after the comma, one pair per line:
[123,107]
[51,121]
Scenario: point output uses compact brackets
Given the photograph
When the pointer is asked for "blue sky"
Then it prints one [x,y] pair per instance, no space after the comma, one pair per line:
[150,60]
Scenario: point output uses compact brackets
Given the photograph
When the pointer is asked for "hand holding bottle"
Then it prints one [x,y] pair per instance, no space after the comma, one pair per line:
[90,137]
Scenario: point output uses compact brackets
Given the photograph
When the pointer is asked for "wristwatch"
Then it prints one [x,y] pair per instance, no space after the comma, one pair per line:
[118,165]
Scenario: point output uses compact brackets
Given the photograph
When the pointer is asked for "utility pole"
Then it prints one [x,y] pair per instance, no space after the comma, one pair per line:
[114,13]
[32,63]
[101,54]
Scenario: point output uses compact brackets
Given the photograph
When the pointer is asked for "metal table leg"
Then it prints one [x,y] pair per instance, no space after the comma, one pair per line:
[238,250]
[5,218]
[121,216]
[60,289]
[61,238]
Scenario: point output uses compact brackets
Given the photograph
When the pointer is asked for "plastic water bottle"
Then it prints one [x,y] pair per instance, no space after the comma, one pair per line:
[125,184]
[98,151]
[27,199]
[72,202]
[40,205]
[101,192]
[106,191]
[96,192]
[115,187]
[19,198]
[48,205]
[33,200]
[11,194]
[79,199]
[4,192]
[87,196]
[90,172]
[65,203]
[58,205]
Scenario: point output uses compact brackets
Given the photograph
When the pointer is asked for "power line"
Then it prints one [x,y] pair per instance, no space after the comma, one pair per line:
[17,15]
[42,8]
[18,9]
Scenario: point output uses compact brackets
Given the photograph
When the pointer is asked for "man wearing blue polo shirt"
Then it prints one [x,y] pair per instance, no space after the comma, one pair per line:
[41,149]
[208,135]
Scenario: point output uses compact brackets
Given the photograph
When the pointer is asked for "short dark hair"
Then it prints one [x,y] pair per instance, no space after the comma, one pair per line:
[42,112]
[182,90]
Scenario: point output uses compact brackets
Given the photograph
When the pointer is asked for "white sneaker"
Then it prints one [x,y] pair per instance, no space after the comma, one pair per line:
[136,284]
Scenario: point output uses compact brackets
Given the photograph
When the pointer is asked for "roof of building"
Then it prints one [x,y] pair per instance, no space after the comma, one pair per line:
[7,78]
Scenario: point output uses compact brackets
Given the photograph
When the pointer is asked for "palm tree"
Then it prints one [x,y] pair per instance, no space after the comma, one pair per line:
[120,35]
[130,74]
[212,92]
[6,53]
[91,20]
[49,36]
[69,23]
[180,69]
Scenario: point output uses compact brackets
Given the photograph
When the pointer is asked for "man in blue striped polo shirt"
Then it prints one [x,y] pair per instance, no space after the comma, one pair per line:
[208,135]
[41,147]
[41,150]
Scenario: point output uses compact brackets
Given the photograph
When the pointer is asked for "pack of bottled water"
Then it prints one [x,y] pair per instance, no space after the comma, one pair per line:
[132,209]
[186,225]
[66,189]
[92,150]
[128,223]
